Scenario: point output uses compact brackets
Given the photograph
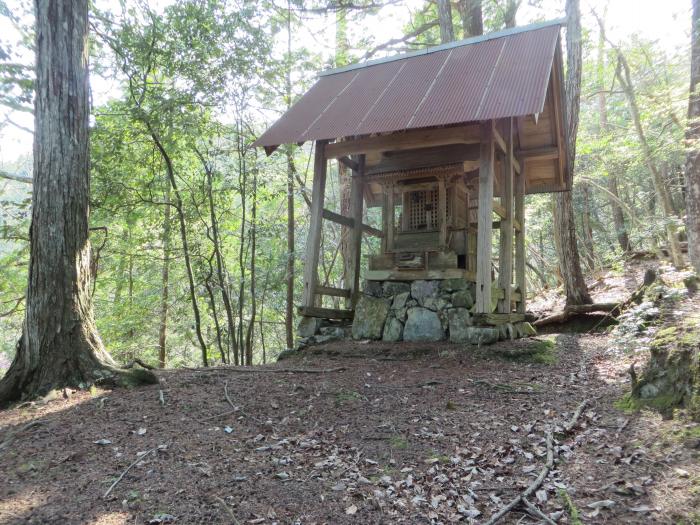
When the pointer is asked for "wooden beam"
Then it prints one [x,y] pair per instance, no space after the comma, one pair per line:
[334,292]
[357,206]
[483,251]
[499,209]
[432,157]
[338,219]
[545,153]
[313,243]
[500,142]
[442,213]
[519,204]
[505,260]
[325,313]
[498,318]
[374,232]
[410,139]
[351,164]
[390,217]
[409,275]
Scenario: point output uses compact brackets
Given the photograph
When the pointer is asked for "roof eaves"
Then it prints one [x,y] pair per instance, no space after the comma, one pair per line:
[443,47]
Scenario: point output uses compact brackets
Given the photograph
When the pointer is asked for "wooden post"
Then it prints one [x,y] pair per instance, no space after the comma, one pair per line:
[520,237]
[313,243]
[483,245]
[505,260]
[442,213]
[357,201]
[389,208]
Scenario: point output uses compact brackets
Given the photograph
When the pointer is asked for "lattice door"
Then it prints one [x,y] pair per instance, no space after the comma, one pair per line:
[423,210]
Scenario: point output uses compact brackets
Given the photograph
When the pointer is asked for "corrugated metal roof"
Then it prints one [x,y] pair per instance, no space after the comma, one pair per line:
[503,74]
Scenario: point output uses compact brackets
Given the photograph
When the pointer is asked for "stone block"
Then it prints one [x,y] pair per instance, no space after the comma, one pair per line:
[393,330]
[308,326]
[370,316]
[423,290]
[391,288]
[423,325]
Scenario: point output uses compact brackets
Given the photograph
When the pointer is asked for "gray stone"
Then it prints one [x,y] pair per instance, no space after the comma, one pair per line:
[308,326]
[400,300]
[648,391]
[373,288]
[422,290]
[411,303]
[507,331]
[453,285]
[477,335]
[393,330]
[459,320]
[525,329]
[395,288]
[333,331]
[370,315]
[401,314]
[423,325]
[462,299]
[320,339]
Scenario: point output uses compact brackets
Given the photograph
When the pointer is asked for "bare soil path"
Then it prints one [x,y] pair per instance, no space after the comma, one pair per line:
[430,433]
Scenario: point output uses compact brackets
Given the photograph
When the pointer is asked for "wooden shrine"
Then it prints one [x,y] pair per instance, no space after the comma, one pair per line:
[446,190]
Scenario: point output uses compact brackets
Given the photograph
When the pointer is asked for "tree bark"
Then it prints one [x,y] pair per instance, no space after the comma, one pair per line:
[586,227]
[692,165]
[564,224]
[60,345]
[472,18]
[291,171]
[253,246]
[163,326]
[447,33]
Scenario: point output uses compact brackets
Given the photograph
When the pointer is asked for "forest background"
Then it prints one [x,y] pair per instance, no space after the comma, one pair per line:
[191,227]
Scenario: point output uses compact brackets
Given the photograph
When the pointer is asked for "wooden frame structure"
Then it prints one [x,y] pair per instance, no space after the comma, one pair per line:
[482,160]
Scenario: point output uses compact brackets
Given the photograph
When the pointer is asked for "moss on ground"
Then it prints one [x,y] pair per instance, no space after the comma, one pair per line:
[540,350]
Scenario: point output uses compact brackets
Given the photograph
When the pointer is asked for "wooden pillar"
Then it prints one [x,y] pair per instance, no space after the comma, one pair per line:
[485,211]
[357,204]
[389,203]
[520,237]
[442,213]
[505,260]
[313,243]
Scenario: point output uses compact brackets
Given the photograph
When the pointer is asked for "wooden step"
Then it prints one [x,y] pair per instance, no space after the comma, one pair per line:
[325,313]
[334,292]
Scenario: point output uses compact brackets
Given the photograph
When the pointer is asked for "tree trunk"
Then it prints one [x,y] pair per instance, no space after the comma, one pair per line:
[472,18]
[692,165]
[60,345]
[291,171]
[163,327]
[447,33]
[586,227]
[564,225]
[625,79]
[253,246]
[509,12]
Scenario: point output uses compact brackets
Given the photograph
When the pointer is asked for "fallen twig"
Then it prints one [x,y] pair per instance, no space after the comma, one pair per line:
[569,425]
[228,510]
[161,397]
[537,512]
[116,481]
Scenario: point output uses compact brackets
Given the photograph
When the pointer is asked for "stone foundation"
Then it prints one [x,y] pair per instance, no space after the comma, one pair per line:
[392,311]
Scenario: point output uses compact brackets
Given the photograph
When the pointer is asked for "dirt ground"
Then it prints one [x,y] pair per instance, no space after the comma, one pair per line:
[384,433]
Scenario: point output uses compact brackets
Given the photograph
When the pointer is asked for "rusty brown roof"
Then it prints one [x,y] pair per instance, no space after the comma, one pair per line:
[502,74]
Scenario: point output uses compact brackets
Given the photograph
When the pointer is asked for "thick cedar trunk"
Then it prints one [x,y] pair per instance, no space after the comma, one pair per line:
[625,79]
[447,33]
[564,225]
[60,345]
[472,18]
[692,165]
[623,238]
[163,327]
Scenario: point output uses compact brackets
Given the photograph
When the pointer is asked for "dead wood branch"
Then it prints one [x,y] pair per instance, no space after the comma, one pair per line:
[141,363]
[537,513]
[116,481]
[228,510]
[569,425]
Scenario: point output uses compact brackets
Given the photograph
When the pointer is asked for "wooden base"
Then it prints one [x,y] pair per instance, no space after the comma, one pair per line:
[325,313]
[416,275]
[497,319]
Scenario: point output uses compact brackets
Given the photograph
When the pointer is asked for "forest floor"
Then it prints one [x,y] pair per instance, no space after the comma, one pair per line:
[381,433]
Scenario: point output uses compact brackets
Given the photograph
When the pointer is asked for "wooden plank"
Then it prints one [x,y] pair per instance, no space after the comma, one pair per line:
[546,153]
[424,158]
[500,142]
[505,260]
[338,218]
[334,292]
[357,204]
[325,313]
[519,203]
[499,209]
[442,213]
[406,140]
[483,251]
[412,275]
[374,232]
[313,243]
[390,217]
[498,318]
